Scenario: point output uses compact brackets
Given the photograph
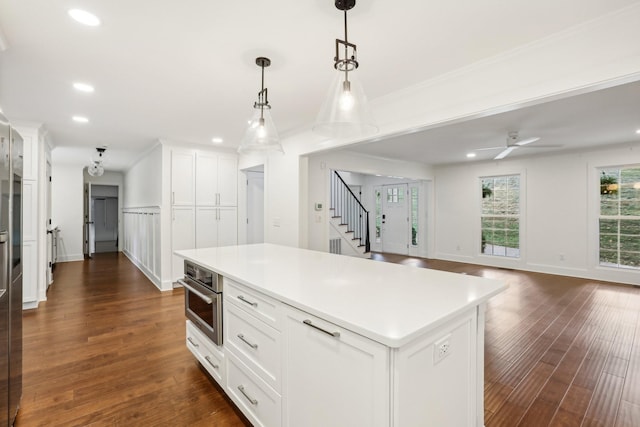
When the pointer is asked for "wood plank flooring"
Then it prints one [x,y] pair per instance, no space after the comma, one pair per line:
[107,349]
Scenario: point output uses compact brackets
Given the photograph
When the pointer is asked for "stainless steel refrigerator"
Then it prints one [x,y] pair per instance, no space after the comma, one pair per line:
[11,147]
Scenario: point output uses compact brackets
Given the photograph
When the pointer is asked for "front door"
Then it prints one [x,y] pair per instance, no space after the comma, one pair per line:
[395,219]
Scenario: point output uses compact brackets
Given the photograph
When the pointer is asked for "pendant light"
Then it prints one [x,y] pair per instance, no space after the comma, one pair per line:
[96,166]
[261,135]
[345,112]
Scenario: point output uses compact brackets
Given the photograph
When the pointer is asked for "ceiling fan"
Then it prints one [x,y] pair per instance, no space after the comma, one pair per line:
[514,142]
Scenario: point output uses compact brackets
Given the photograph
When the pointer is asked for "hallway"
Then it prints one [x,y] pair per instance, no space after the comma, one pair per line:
[107,348]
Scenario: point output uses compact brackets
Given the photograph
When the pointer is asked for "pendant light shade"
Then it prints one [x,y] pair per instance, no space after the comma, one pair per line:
[345,112]
[96,165]
[261,135]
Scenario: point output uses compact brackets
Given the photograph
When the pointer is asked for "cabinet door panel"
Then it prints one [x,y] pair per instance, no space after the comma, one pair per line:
[207,224]
[333,381]
[206,179]
[227,227]
[29,285]
[182,178]
[228,181]
[182,237]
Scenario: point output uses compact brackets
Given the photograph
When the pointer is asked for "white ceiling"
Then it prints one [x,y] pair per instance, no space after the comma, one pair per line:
[603,117]
[185,71]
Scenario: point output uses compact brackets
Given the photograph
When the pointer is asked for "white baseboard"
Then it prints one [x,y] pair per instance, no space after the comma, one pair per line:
[70,258]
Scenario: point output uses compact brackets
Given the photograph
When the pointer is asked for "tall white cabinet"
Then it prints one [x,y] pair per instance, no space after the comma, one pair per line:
[36,151]
[204,201]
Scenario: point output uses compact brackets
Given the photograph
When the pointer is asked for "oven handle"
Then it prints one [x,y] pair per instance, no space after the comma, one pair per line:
[206,299]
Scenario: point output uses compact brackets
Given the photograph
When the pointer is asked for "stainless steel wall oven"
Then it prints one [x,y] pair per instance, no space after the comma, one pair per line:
[203,300]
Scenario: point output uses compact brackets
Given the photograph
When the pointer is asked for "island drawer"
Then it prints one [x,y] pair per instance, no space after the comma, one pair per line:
[206,352]
[260,403]
[263,307]
[257,344]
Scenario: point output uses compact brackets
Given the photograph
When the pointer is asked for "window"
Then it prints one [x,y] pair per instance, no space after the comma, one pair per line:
[619,217]
[500,218]
[414,216]
[395,195]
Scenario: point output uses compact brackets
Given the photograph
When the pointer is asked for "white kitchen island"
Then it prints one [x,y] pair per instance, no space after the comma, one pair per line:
[317,339]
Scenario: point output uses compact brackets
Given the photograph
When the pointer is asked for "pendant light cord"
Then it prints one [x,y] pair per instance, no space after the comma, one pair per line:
[346,48]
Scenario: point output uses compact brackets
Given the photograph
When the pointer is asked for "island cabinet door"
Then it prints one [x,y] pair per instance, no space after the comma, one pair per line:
[436,377]
[333,377]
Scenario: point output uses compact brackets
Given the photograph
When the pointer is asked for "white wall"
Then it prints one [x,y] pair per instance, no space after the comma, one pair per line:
[559,205]
[67,210]
[143,184]
[143,181]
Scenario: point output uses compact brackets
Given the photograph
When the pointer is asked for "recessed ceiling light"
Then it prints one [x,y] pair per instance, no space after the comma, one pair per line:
[471,155]
[638,131]
[217,140]
[80,119]
[84,17]
[83,87]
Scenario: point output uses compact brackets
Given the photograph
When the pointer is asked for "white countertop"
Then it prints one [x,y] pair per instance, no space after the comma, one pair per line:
[388,303]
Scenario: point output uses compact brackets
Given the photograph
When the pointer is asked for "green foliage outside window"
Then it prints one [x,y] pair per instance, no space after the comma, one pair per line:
[619,219]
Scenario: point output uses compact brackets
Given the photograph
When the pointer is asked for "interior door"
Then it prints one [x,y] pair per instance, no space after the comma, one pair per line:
[255,207]
[395,219]
[89,226]
[50,259]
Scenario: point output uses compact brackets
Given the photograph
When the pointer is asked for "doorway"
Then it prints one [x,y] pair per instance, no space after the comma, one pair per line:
[395,219]
[255,205]
[101,219]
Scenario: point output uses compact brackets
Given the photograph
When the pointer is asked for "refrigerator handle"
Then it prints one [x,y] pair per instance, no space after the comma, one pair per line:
[4,256]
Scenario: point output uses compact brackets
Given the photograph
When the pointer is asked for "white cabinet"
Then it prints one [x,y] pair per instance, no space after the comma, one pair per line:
[183,235]
[216,227]
[253,344]
[257,401]
[216,180]
[206,182]
[208,354]
[182,178]
[334,377]
[29,283]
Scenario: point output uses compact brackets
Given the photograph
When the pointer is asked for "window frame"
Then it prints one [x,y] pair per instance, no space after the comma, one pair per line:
[520,216]
[618,218]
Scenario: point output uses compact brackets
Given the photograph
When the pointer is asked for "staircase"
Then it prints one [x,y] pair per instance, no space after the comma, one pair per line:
[349,221]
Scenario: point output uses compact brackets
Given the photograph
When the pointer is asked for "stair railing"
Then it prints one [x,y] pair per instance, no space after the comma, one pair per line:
[347,207]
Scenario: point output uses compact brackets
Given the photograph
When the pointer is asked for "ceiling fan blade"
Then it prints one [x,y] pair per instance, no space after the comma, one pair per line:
[502,147]
[542,146]
[526,141]
[505,153]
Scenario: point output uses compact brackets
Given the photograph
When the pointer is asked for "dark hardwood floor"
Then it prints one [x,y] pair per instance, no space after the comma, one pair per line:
[107,348]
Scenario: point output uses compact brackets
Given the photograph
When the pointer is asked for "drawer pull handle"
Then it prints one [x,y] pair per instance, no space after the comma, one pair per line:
[250,344]
[246,301]
[249,398]
[333,334]
[193,343]
[211,363]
